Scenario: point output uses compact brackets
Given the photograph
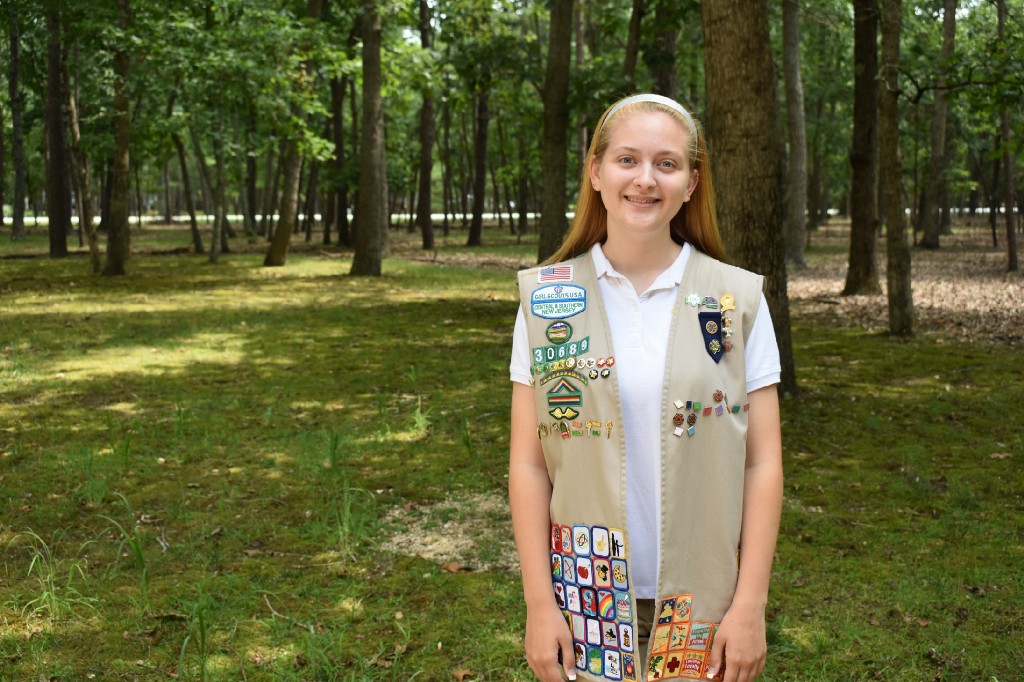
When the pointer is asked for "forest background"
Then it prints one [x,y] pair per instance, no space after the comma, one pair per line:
[216,466]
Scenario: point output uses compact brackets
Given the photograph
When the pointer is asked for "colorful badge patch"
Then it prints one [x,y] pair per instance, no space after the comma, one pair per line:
[680,648]
[601,618]
[564,394]
[558,332]
[555,273]
[558,301]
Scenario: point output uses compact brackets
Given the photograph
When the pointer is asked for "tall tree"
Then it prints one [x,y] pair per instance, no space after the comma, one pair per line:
[371,228]
[291,162]
[660,57]
[85,205]
[118,232]
[636,18]
[1004,134]
[17,131]
[423,208]
[796,169]
[747,162]
[862,271]
[555,135]
[58,194]
[480,138]
[931,209]
[898,275]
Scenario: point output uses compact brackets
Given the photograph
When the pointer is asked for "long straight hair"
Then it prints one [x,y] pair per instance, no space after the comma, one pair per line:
[696,223]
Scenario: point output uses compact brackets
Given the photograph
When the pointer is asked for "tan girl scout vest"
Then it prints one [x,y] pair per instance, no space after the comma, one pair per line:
[703,450]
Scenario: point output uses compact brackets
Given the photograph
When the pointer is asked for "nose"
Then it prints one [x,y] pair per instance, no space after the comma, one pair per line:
[644,176]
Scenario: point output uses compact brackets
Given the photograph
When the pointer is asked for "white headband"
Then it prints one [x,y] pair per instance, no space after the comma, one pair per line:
[657,99]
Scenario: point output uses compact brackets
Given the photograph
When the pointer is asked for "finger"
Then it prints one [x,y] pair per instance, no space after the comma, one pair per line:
[715,660]
[567,657]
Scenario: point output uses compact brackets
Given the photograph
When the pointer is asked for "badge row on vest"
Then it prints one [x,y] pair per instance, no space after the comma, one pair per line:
[687,423]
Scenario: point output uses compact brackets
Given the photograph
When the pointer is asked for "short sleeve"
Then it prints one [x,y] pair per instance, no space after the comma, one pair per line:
[519,367]
[761,352]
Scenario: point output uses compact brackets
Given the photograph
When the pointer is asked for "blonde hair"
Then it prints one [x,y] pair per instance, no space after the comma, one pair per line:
[696,222]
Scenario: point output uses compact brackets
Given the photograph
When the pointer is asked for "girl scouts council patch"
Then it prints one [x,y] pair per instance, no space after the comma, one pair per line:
[558,301]
[591,582]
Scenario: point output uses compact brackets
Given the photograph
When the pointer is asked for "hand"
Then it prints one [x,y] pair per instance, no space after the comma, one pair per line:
[547,633]
[740,645]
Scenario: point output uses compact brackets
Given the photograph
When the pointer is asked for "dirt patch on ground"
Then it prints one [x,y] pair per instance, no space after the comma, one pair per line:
[471,533]
[961,291]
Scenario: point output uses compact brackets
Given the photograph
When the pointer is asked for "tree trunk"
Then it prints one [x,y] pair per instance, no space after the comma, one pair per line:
[371,230]
[190,204]
[483,118]
[119,235]
[555,138]
[446,165]
[423,208]
[741,106]
[661,57]
[57,191]
[17,132]
[1004,133]
[344,236]
[633,43]
[309,205]
[862,272]
[218,240]
[931,206]
[898,275]
[291,166]
[85,207]
[271,180]
[796,171]
[165,173]
[250,169]
[3,166]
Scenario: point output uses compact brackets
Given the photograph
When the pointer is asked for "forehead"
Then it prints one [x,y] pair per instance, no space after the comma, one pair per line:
[646,128]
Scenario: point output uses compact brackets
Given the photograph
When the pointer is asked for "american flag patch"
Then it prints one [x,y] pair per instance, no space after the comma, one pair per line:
[555,273]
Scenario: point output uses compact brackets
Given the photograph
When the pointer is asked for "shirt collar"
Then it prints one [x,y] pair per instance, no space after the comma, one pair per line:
[671,276]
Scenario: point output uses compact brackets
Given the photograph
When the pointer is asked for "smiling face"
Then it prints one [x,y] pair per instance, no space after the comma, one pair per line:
[644,175]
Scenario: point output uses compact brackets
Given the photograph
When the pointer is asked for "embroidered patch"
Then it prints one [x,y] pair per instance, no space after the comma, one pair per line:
[680,648]
[564,413]
[558,301]
[558,332]
[555,273]
[568,373]
[587,586]
[560,350]
[564,394]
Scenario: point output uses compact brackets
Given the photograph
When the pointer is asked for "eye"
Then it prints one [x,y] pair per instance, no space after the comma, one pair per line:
[668,164]
[626,159]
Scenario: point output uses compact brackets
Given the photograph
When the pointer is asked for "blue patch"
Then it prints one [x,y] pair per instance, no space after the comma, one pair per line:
[558,301]
[711,328]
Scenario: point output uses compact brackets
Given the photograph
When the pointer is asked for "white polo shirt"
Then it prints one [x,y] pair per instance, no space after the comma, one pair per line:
[639,327]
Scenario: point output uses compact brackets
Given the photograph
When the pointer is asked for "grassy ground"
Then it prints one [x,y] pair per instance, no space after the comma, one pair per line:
[204,472]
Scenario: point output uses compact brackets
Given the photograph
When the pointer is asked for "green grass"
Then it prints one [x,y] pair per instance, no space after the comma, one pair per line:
[196,463]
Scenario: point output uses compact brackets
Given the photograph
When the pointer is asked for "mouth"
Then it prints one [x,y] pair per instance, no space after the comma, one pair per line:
[642,201]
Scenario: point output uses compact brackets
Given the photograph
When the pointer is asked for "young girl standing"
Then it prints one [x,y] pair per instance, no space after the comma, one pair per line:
[645,472]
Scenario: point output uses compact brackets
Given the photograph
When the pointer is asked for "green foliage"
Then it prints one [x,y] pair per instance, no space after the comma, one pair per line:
[56,593]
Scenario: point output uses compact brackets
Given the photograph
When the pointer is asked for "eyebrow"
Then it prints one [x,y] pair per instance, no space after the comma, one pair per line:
[634,150]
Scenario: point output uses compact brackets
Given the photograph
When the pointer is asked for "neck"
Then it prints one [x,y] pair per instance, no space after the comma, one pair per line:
[641,261]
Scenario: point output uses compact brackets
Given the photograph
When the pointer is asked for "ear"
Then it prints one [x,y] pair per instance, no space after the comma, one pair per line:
[595,174]
[694,177]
